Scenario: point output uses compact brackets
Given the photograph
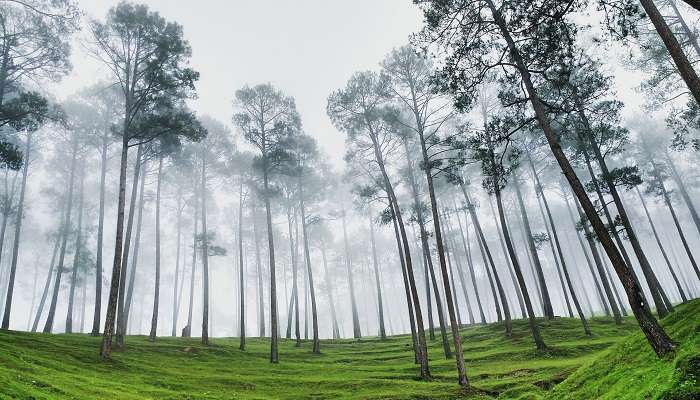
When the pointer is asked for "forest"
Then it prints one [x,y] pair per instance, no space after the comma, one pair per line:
[501,203]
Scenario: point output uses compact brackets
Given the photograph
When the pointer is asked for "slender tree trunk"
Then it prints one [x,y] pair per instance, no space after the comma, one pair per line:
[274,331]
[76,254]
[657,292]
[156,289]
[661,246]
[205,253]
[449,249]
[18,231]
[523,312]
[106,346]
[177,284]
[309,273]
[48,327]
[684,194]
[534,328]
[329,289]
[187,331]
[669,205]
[557,244]
[97,316]
[421,347]
[548,311]
[467,249]
[47,283]
[351,285]
[655,334]
[380,307]
[121,316]
[408,291]
[460,271]
[596,278]
[685,68]
[241,267]
[31,306]
[258,266]
[135,259]
[293,312]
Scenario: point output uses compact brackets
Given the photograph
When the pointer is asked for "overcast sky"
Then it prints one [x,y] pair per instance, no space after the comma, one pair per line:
[307,48]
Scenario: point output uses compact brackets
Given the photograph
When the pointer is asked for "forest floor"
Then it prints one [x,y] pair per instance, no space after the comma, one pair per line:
[615,363]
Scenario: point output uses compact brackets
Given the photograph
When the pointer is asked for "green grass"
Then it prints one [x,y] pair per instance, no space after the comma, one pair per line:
[631,370]
[40,366]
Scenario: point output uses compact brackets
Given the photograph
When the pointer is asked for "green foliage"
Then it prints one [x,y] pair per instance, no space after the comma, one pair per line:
[39,366]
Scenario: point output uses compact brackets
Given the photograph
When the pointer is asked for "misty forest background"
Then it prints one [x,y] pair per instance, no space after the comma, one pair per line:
[490,173]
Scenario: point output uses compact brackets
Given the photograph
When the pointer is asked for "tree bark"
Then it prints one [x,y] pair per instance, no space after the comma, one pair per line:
[177,284]
[274,332]
[684,194]
[47,283]
[187,331]
[135,259]
[380,307]
[329,289]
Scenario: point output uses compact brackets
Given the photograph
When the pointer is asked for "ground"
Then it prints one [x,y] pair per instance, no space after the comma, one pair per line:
[614,363]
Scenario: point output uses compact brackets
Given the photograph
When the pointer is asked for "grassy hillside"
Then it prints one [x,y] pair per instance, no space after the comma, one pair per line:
[631,370]
[39,366]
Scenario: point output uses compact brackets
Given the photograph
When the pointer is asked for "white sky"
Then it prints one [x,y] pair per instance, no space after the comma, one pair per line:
[307,48]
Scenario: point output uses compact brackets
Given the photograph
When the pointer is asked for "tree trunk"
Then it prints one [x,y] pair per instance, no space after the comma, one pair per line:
[135,260]
[534,328]
[661,246]
[156,288]
[106,345]
[258,266]
[460,271]
[177,284]
[48,327]
[655,334]
[47,283]
[601,273]
[97,316]
[351,285]
[547,302]
[684,194]
[76,254]
[187,331]
[121,316]
[274,332]
[293,314]
[241,280]
[380,307]
[685,68]
[408,291]
[309,272]
[205,254]
[18,231]
[523,312]
[555,235]
[657,292]
[329,289]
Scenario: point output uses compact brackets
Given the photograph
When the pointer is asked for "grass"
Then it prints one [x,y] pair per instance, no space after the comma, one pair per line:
[41,366]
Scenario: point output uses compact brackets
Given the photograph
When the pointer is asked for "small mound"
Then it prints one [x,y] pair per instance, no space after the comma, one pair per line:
[631,370]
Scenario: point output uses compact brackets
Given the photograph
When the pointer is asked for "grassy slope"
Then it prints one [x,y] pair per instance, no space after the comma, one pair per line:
[632,370]
[39,366]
